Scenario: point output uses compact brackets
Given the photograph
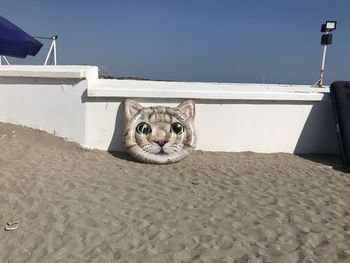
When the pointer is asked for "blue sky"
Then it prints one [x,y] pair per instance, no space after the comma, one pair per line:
[271,41]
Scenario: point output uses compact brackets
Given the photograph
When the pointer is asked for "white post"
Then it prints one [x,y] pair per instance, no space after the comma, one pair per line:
[8,63]
[49,53]
[322,65]
[0,60]
[52,47]
[54,52]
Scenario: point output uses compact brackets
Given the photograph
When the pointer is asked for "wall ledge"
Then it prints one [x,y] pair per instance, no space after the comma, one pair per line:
[202,90]
[50,71]
[107,88]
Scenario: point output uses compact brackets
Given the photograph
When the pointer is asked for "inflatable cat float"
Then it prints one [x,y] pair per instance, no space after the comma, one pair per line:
[159,135]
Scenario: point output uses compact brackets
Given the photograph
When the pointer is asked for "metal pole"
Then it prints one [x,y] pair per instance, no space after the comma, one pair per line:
[322,65]
[48,54]
[54,52]
[6,60]
[0,60]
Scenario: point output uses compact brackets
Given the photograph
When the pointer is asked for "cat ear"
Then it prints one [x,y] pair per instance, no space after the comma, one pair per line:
[131,108]
[188,108]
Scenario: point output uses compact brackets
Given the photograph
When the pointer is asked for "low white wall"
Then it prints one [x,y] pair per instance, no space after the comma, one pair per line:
[259,126]
[48,98]
[73,103]
[52,106]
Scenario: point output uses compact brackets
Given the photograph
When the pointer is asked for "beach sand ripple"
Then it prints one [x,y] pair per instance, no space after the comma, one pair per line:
[75,205]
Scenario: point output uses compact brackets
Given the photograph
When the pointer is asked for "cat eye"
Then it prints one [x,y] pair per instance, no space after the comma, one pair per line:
[143,128]
[177,127]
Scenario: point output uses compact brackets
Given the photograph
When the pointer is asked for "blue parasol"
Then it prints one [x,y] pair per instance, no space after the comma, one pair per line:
[14,42]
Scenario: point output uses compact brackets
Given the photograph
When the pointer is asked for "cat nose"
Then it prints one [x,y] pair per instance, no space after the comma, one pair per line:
[161,143]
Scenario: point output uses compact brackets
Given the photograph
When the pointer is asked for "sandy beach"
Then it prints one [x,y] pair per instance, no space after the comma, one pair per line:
[75,205]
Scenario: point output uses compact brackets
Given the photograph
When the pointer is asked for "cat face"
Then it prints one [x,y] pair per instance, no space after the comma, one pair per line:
[159,135]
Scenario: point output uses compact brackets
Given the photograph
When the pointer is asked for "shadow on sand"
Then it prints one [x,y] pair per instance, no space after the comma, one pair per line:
[123,156]
[332,160]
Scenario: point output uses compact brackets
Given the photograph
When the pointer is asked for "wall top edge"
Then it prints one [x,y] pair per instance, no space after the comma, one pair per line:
[204,90]
[49,71]
[166,89]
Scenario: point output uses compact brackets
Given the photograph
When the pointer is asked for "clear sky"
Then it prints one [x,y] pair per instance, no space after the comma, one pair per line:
[271,41]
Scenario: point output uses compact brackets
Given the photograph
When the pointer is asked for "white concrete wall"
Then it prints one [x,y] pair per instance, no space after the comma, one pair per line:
[259,126]
[73,103]
[46,98]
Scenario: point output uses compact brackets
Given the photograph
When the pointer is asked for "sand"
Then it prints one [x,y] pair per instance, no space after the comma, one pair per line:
[75,205]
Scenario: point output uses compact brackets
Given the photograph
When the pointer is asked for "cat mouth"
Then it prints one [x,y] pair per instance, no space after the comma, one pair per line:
[161,152]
